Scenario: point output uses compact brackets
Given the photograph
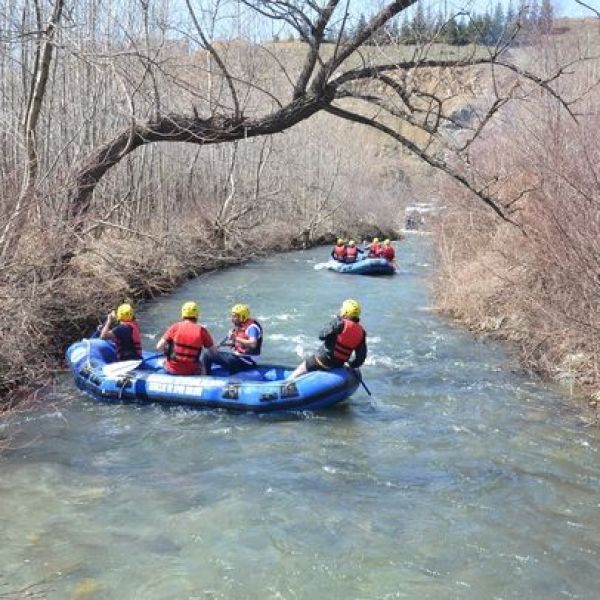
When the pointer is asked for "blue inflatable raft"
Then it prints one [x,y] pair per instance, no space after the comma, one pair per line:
[262,389]
[364,266]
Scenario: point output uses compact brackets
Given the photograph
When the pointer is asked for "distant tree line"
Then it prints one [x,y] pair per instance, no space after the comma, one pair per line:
[489,28]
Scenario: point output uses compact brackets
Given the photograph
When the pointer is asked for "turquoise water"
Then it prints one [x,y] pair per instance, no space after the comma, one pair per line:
[459,477]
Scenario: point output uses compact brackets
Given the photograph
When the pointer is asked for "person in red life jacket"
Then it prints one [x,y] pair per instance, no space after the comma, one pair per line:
[374,248]
[342,337]
[387,251]
[122,329]
[245,339]
[184,341]
[352,252]
[339,251]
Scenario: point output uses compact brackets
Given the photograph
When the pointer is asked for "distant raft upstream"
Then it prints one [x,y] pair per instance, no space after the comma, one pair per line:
[364,266]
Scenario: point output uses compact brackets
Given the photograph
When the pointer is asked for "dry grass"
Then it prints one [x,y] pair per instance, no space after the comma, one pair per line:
[539,286]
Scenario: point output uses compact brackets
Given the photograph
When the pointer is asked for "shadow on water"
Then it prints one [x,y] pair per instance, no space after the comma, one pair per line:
[458,478]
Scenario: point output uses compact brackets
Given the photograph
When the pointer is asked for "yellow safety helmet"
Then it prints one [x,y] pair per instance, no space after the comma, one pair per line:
[386,242]
[351,243]
[242,311]
[350,308]
[340,241]
[125,312]
[375,240]
[190,310]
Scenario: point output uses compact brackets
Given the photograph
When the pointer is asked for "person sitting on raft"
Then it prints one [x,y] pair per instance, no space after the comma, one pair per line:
[387,251]
[352,252]
[374,248]
[343,336]
[125,334]
[245,338]
[339,251]
[183,343]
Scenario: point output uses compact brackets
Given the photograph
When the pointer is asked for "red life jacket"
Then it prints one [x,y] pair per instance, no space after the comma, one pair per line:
[375,249]
[133,350]
[339,252]
[350,338]
[388,252]
[242,335]
[351,252]
[185,350]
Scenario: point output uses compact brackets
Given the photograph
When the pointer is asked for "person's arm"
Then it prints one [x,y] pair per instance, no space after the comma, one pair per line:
[360,354]
[106,333]
[166,340]
[332,329]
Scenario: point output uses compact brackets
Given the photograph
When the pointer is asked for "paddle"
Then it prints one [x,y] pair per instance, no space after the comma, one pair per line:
[125,366]
[361,381]
[320,266]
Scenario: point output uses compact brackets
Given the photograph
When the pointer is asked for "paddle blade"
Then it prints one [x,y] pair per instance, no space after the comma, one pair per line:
[320,266]
[121,367]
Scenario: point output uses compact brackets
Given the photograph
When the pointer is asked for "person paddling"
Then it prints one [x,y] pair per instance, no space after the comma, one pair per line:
[121,328]
[341,338]
[184,341]
[245,338]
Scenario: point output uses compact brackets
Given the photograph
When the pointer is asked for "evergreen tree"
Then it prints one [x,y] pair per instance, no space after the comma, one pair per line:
[406,36]
[498,23]
[546,16]
[419,23]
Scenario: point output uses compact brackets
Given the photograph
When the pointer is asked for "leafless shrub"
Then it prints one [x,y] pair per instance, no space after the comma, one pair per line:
[538,286]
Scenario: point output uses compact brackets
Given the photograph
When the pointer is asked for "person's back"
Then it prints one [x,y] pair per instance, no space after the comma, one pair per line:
[352,251]
[374,248]
[125,334]
[343,337]
[183,342]
[339,251]
[387,251]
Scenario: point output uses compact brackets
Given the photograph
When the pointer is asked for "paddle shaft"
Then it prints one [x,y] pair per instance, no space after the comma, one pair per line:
[361,381]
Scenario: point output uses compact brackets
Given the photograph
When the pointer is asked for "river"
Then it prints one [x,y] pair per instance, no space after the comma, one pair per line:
[460,477]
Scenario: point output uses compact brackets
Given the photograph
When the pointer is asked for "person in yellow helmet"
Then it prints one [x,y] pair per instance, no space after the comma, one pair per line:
[374,248]
[121,328]
[343,337]
[352,252]
[245,339]
[339,251]
[184,341]
[387,251]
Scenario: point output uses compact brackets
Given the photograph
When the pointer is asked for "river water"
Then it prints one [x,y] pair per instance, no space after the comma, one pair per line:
[458,478]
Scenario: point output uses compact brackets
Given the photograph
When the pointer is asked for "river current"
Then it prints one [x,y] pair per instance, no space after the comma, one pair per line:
[460,477]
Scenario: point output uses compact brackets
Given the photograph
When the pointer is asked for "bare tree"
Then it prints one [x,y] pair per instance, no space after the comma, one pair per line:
[39,80]
[398,96]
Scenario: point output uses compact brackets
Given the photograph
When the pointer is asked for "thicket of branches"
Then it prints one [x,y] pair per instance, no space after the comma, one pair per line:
[539,287]
[140,137]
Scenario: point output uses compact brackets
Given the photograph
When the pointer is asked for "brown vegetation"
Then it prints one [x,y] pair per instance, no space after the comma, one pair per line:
[539,285]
